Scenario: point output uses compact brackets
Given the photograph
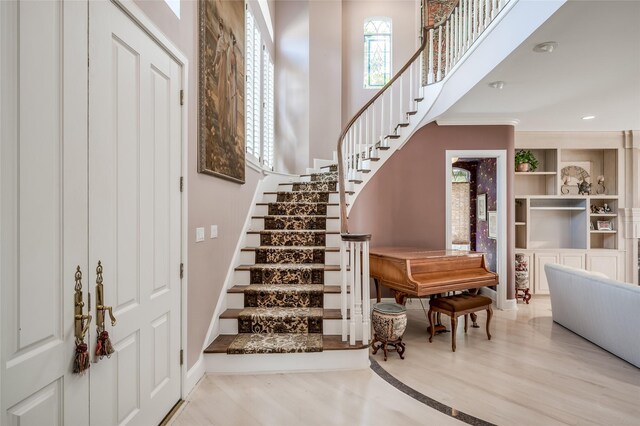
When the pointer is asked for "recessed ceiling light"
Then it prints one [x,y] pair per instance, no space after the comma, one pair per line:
[588,117]
[496,84]
[546,47]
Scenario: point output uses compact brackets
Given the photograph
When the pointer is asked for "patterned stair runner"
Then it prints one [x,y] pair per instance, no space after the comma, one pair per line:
[284,300]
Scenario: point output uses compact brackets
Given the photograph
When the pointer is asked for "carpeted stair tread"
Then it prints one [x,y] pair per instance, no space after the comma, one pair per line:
[290,254]
[261,343]
[221,343]
[325,248]
[240,288]
[291,231]
[284,295]
[294,223]
[233,313]
[288,266]
[294,216]
[280,320]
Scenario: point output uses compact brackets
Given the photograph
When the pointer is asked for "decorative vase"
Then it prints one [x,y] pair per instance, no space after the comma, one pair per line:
[522,271]
[522,167]
[389,321]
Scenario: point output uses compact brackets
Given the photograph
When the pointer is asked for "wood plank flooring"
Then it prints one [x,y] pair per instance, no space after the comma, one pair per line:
[532,372]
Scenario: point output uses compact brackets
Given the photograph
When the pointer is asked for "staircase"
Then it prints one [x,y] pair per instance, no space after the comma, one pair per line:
[292,298]
[285,296]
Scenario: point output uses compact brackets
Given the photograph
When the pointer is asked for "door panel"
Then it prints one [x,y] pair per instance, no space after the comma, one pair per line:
[43,225]
[134,211]
[541,284]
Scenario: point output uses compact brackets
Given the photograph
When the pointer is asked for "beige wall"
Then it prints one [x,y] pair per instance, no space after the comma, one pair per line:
[325,77]
[292,85]
[403,204]
[404,42]
[212,201]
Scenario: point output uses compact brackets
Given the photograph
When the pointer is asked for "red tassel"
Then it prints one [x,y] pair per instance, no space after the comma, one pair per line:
[81,359]
[104,346]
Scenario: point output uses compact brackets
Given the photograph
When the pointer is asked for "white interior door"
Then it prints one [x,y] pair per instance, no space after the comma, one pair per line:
[43,209]
[134,216]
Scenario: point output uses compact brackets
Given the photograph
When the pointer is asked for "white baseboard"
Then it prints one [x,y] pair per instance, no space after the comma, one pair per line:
[194,374]
[222,363]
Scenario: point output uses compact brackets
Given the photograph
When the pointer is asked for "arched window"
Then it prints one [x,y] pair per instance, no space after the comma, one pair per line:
[377,52]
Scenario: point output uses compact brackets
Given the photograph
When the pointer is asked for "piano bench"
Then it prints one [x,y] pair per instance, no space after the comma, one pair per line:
[454,306]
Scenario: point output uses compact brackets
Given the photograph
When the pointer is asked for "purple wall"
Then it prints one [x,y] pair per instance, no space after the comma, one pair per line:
[486,184]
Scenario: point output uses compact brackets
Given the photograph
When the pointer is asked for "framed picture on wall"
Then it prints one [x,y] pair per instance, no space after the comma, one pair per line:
[481,207]
[493,225]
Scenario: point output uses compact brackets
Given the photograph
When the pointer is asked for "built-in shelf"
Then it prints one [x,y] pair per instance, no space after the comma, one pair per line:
[604,215]
[559,208]
[594,231]
[535,173]
[521,223]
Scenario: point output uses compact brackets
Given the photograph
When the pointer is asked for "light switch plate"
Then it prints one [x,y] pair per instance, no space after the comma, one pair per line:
[214,231]
[199,235]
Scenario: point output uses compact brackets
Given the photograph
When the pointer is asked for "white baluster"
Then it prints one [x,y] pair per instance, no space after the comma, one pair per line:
[382,118]
[447,31]
[494,9]
[487,6]
[439,74]
[400,103]
[500,5]
[470,23]
[366,294]
[411,87]
[458,34]
[475,19]
[465,14]
[391,109]
[430,50]
[356,315]
[366,135]
[352,298]
[343,290]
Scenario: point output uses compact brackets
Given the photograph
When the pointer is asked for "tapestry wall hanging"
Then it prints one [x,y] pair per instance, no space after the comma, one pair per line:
[221,92]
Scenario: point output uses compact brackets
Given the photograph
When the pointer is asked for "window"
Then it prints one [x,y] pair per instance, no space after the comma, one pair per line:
[259,100]
[460,209]
[377,52]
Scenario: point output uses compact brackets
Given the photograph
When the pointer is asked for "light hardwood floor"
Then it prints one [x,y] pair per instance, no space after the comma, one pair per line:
[532,372]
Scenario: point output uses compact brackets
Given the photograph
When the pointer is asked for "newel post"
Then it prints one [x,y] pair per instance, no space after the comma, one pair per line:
[355,288]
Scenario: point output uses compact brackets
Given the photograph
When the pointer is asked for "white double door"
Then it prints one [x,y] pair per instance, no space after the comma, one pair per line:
[90,165]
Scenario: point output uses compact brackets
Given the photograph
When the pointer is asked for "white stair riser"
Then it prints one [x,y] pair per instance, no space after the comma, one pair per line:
[299,362]
[257,224]
[330,327]
[263,210]
[332,240]
[249,257]
[272,198]
[243,277]
[236,301]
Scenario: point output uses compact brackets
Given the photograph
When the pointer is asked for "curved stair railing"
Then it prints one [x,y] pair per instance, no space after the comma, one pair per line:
[380,121]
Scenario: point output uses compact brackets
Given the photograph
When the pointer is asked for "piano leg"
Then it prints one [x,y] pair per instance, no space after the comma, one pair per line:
[378,290]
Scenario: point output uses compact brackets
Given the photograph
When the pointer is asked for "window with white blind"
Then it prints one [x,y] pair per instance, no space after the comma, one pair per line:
[259,99]
[254,80]
[268,113]
[461,209]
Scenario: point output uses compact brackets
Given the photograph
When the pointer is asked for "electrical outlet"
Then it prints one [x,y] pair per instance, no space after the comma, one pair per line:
[214,231]
[199,235]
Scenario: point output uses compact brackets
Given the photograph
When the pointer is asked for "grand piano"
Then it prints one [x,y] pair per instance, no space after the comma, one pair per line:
[411,271]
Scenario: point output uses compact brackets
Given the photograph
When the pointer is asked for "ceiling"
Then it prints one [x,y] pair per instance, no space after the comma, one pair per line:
[595,70]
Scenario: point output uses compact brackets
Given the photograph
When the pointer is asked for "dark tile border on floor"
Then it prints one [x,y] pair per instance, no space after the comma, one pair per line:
[432,403]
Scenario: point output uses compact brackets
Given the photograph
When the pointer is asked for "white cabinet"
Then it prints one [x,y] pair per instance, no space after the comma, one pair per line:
[610,264]
[575,260]
[541,286]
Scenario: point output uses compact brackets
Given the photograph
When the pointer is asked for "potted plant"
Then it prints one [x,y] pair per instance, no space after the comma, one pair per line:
[525,161]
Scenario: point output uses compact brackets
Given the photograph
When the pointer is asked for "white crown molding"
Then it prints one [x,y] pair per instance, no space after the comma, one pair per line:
[478,121]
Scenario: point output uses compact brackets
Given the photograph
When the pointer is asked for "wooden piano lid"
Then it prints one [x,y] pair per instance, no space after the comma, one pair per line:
[409,253]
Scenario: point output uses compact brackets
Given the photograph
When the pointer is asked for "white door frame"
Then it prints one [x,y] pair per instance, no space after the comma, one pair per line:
[501,208]
[139,17]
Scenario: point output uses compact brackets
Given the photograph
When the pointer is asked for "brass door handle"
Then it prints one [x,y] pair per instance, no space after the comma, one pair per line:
[81,326]
[100,306]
